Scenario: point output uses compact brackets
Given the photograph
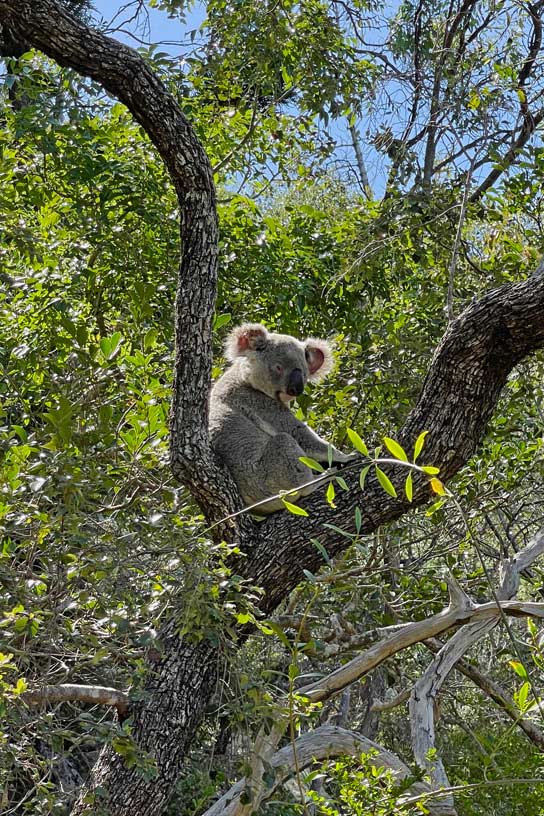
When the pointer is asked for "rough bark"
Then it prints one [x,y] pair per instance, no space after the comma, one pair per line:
[460,392]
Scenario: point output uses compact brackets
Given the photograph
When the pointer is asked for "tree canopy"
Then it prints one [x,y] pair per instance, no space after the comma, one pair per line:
[359,171]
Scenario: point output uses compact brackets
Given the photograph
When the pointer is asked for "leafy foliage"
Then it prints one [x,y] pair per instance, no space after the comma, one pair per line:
[97,541]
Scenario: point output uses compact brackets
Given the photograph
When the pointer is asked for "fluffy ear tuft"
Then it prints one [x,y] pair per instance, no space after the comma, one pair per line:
[244,338]
[319,357]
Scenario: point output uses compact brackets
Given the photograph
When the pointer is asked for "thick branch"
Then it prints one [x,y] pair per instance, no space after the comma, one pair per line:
[467,373]
[70,692]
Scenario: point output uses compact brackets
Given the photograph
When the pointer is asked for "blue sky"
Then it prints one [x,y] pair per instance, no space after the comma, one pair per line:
[152,26]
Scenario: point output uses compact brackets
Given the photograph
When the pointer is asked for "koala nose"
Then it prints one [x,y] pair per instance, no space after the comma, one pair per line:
[295,383]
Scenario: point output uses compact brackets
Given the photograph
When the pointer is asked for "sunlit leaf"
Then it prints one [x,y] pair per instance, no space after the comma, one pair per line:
[294,508]
[437,486]
[408,487]
[394,448]
[357,442]
[311,463]
[519,668]
[420,441]
[385,482]
[362,476]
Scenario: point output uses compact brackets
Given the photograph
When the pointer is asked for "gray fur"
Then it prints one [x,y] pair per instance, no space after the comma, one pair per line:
[252,429]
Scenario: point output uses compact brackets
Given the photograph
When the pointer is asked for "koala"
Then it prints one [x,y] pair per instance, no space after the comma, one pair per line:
[252,429]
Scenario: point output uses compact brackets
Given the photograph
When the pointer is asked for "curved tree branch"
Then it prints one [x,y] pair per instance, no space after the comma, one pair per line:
[324,742]
[467,373]
[48,26]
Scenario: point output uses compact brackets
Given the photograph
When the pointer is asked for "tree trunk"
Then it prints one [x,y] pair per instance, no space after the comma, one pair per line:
[180,682]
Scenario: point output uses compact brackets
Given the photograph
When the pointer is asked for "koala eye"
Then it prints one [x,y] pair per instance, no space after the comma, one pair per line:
[278,368]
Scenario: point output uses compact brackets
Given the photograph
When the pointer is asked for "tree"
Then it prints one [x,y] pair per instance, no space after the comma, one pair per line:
[463,384]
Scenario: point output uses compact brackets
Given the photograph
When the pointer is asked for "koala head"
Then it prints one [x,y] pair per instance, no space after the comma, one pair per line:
[277,364]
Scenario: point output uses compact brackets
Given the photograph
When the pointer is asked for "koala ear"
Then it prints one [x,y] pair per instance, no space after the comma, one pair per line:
[244,338]
[319,358]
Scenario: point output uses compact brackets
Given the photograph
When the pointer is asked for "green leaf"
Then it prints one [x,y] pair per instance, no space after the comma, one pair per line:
[221,320]
[311,463]
[339,530]
[432,471]
[294,671]
[418,447]
[522,695]
[331,493]
[357,442]
[519,668]
[385,482]
[105,346]
[321,549]
[150,339]
[358,519]
[362,476]
[20,431]
[276,629]
[342,483]
[294,509]
[394,448]
[408,487]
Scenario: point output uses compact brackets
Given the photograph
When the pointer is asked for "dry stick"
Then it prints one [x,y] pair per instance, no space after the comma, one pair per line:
[75,692]
[480,619]
[429,684]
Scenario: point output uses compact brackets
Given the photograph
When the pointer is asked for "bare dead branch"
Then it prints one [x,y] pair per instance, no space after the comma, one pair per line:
[325,742]
[74,692]
[428,686]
